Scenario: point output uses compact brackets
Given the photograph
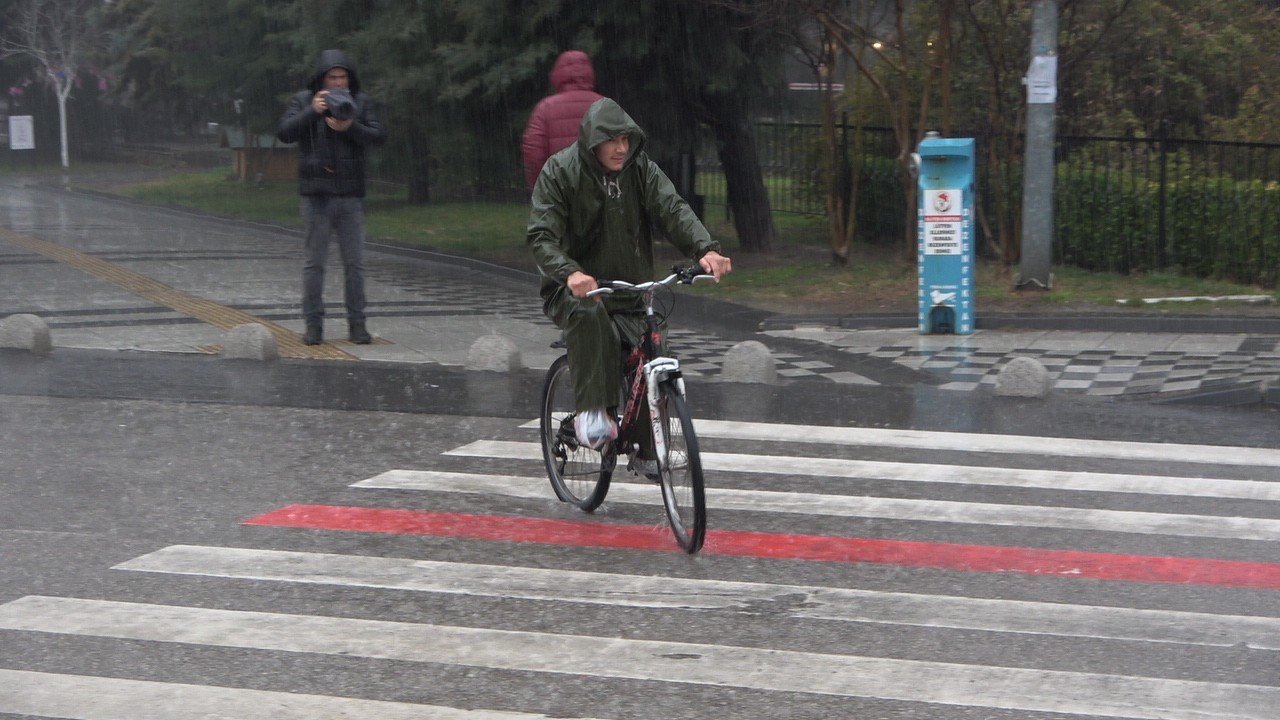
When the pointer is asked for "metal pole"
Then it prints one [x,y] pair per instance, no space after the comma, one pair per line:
[1037,181]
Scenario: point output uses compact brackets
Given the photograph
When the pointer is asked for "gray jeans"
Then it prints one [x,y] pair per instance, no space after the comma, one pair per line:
[343,218]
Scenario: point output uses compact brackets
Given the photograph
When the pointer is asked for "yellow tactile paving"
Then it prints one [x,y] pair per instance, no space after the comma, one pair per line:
[288,342]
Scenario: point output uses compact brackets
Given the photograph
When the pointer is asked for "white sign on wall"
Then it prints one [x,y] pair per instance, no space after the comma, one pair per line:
[22,134]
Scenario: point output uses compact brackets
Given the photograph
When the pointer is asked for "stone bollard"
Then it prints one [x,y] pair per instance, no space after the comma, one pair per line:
[26,332]
[250,341]
[749,362]
[494,352]
[1023,377]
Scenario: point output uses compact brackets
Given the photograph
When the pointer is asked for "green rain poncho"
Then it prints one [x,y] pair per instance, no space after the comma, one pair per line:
[603,224]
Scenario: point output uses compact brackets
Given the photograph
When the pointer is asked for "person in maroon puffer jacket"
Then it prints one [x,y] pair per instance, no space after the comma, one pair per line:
[554,123]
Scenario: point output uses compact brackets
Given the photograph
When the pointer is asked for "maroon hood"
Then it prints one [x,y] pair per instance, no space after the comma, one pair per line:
[573,71]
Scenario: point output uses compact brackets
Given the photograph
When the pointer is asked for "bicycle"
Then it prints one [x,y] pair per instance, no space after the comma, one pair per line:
[653,390]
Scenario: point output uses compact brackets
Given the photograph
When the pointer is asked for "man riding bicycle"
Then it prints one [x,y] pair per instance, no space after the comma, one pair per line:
[595,209]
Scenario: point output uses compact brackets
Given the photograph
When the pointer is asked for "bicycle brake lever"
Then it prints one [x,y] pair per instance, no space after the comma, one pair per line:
[688,273]
[696,273]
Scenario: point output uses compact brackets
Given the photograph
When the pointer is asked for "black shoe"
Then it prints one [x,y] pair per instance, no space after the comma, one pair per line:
[359,335]
[314,334]
[647,468]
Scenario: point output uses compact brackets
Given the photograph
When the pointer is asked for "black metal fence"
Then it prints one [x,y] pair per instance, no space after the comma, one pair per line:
[1122,204]
[1203,208]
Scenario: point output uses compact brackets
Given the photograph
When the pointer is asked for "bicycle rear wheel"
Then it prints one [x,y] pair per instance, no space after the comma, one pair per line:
[683,492]
[578,474]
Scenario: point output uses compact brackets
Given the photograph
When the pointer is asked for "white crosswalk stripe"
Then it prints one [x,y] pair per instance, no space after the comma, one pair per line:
[675,662]
[743,671]
[975,442]
[84,697]
[824,603]
[837,505]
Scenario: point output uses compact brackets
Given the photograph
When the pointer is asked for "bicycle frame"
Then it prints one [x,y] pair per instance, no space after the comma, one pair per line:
[655,369]
[651,381]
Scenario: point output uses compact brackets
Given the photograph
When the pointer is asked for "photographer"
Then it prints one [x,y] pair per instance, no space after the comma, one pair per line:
[333,123]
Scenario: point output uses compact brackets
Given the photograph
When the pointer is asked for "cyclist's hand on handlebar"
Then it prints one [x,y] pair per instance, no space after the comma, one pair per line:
[716,264]
[580,283]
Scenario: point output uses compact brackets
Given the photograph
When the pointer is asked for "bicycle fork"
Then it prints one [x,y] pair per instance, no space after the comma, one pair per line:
[656,371]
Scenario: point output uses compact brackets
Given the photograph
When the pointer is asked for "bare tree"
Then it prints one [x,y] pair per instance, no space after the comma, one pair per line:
[904,65]
[57,35]
[901,63]
[812,44]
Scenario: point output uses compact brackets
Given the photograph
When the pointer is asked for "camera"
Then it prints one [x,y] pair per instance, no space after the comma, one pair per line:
[341,106]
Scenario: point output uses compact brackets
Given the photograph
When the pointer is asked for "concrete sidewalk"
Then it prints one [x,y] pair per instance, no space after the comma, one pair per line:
[108,274]
[1213,368]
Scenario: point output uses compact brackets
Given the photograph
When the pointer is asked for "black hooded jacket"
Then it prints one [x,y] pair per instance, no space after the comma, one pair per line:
[331,162]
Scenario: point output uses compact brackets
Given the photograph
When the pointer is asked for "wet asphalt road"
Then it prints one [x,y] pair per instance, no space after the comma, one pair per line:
[93,483]
[110,457]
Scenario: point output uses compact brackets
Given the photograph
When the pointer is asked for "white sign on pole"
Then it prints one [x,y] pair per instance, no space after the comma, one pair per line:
[943,222]
[22,134]
[1042,80]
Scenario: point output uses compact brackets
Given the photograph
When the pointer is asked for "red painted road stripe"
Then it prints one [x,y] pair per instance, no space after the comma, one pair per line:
[942,556]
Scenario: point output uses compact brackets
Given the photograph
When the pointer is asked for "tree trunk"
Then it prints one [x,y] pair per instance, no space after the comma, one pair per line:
[855,183]
[748,200]
[63,90]
[833,167]
[910,191]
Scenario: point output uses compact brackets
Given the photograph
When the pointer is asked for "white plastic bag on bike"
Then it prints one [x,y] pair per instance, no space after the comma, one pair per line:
[594,428]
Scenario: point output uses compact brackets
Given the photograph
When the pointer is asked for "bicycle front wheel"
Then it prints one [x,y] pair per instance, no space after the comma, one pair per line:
[683,493]
[578,474]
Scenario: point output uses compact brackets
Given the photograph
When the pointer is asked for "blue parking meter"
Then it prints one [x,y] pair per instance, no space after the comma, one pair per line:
[944,229]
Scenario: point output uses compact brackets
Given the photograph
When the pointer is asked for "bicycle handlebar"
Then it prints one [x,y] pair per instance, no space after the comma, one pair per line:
[686,274]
